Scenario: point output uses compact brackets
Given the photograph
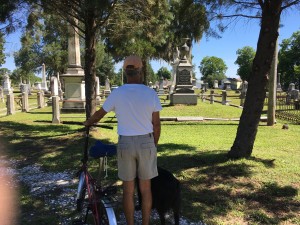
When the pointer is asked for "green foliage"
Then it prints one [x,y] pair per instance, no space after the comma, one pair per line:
[245,61]
[43,42]
[138,27]
[212,68]
[163,72]
[289,60]
[105,66]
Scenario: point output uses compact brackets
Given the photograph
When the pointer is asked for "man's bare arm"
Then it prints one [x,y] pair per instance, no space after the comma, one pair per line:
[156,126]
[97,116]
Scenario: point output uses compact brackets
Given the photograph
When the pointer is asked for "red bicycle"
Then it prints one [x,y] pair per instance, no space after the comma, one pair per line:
[97,201]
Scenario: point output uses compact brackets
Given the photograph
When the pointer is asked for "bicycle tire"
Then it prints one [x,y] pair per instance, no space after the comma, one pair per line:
[81,190]
[106,213]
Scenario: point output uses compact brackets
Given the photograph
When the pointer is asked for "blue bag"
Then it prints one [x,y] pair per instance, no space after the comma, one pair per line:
[100,150]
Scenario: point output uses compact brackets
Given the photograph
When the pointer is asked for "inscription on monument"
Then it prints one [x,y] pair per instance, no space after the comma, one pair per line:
[184,78]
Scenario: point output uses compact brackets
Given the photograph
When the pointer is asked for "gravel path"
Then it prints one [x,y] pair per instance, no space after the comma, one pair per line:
[43,183]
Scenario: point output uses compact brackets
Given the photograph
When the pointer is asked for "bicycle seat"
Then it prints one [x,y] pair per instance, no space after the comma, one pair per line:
[101,150]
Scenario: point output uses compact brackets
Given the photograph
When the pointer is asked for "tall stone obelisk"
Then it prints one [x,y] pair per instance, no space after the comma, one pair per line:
[73,79]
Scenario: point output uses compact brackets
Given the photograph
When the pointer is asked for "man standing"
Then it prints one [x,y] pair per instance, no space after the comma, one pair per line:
[137,109]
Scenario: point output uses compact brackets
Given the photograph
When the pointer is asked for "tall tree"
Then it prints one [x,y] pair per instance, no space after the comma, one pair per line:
[163,72]
[212,68]
[289,60]
[269,13]
[133,32]
[244,61]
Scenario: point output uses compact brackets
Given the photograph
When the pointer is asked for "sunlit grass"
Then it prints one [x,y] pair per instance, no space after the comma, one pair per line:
[214,189]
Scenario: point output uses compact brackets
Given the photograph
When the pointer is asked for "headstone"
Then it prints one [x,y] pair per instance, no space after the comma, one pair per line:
[161,86]
[150,84]
[279,89]
[24,88]
[40,99]
[107,84]
[107,89]
[227,85]
[54,86]
[216,84]
[184,93]
[6,85]
[291,87]
[38,86]
[73,79]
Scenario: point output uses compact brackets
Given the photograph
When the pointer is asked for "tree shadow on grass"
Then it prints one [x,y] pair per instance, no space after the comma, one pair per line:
[61,149]
[213,185]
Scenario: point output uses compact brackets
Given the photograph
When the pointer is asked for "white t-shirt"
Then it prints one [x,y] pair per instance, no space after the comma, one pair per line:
[133,105]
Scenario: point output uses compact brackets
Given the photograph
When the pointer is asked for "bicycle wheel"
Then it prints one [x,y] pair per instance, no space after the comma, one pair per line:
[81,190]
[106,213]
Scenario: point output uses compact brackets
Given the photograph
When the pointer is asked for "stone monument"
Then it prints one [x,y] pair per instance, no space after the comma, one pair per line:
[216,84]
[44,80]
[6,85]
[184,93]
[107,90]
[161,86]
[73,79]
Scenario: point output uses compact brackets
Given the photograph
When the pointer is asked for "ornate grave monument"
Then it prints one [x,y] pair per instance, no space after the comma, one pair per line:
[183,92]
[73,79]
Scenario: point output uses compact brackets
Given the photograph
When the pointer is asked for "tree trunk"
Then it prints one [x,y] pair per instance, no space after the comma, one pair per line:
[272,89]
[90,59]
[247,129]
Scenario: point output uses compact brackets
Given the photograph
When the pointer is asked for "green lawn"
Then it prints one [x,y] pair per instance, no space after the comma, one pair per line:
[263,189]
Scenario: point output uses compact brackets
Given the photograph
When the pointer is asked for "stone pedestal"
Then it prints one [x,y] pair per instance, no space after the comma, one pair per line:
[55,110]
[10,104]
[40,99]
[25,103]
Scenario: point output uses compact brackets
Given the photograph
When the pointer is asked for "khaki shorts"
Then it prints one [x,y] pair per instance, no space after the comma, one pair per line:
[137,157]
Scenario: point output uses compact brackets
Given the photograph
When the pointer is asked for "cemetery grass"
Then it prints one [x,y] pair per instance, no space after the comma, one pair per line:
[263,189]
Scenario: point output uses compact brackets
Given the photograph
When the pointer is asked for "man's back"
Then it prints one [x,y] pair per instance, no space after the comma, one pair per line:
[133,105]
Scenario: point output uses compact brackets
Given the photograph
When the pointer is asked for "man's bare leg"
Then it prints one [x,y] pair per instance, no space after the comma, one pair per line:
[145,188]
[128,201]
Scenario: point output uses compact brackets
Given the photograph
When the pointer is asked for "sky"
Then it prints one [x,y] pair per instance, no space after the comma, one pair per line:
[235,37]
